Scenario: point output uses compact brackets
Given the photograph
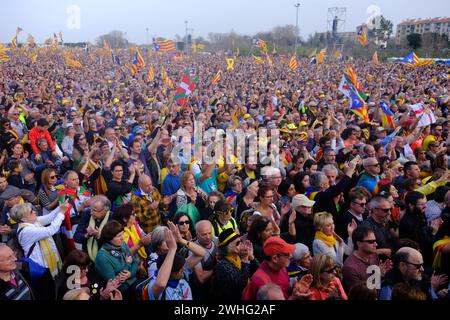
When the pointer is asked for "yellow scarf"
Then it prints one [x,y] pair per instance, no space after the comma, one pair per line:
[51,257]
[131,233]
[328,240]
[437,251]
[236,260]
[92,244]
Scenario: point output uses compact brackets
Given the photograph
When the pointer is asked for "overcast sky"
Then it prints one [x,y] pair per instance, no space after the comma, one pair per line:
[166,18]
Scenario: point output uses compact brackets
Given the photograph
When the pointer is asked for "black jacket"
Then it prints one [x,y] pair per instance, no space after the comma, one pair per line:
[415,227]
[304,227]
[325,199]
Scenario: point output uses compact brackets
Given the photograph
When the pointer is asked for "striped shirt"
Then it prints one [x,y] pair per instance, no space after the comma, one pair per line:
[16,289]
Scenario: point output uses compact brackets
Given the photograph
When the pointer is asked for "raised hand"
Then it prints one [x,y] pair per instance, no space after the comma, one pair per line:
[171,235]
[351,227]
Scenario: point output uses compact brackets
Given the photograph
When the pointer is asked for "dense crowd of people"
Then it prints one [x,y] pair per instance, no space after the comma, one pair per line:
[102,196]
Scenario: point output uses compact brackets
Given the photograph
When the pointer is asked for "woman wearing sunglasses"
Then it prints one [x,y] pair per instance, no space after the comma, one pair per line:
[185,226]
[325,284]
[48,194]
[222,218]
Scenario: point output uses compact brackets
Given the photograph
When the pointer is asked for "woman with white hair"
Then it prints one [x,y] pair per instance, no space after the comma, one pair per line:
[35,237]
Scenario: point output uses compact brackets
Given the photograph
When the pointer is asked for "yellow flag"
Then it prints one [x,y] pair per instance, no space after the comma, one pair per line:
[313,54]
[321,56]
[230,63]
[34,55]
[258,60]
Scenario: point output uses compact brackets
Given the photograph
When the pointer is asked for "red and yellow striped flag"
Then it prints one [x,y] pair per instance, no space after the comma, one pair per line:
[166,78]
[217,77]
[151,74]
[293,64]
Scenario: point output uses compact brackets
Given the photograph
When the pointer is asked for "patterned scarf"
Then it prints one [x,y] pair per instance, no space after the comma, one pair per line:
[328,240]
[51,257]
[92,243]
[235,260]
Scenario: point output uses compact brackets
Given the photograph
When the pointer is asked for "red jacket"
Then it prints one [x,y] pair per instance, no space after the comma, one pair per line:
[35,134]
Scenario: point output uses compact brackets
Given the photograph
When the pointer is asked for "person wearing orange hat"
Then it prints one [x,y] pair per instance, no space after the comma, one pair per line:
[274,270]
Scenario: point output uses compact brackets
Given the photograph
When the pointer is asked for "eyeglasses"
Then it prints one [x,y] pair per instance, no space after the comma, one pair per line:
[283,254]
[180,223]
[417,265]
[226,212]
[372,241]
[387,210]
[362,204]
[330,270]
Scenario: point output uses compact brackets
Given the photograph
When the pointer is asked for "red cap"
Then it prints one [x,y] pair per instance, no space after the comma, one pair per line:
[276,245]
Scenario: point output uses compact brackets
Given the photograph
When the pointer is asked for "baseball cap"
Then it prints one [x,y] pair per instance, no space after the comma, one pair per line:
[276,245]
[301,200]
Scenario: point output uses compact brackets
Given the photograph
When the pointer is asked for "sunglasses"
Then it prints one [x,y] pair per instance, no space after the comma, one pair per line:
[362,204]
[369,241]
[52,177]
[180,223]
[330,270]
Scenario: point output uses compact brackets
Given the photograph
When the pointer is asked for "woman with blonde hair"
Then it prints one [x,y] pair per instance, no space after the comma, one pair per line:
[325,284]
[190,199]
[327,242]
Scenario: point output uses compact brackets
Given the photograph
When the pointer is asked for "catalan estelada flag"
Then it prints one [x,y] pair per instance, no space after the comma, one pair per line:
[387,119]
[5,54]
[260,43]
[150,74]
[351,77]
[138,62]
[164,45]
[362,36]
[293,64]
[412,60]
[358,106]
[217,77]
[166,78]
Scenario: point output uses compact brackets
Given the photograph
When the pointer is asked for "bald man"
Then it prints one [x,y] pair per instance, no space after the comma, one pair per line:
[408,268]
[146,201]
[204,269]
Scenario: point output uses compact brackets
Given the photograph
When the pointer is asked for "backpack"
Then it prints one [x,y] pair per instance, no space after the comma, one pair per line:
[261,274]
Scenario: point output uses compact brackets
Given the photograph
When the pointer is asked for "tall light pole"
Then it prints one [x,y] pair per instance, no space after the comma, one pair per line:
[296,28]
[186,38]
[147,36]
